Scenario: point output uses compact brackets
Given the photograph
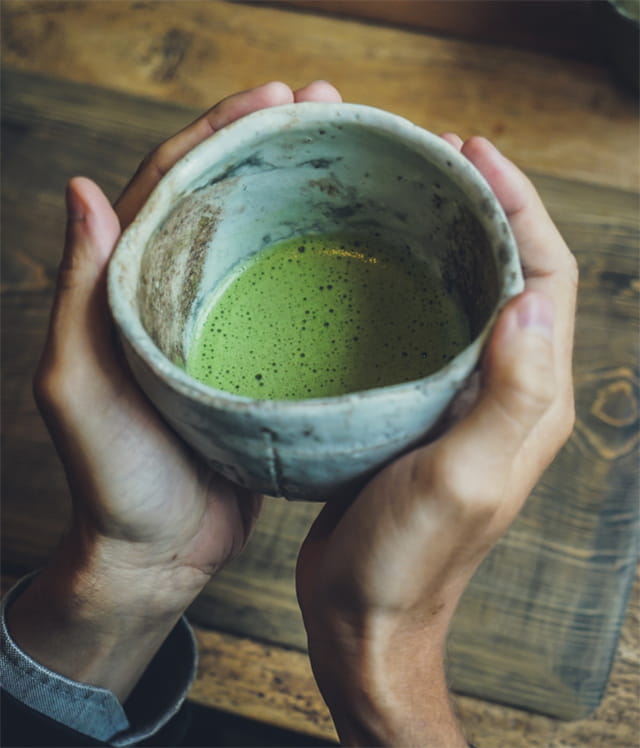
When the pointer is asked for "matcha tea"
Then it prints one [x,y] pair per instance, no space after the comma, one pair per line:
[322,316]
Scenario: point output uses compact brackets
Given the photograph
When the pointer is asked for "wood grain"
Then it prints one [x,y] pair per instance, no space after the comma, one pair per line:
[52,132]
[281,691]
[552,115]
[260,681]
[565,27]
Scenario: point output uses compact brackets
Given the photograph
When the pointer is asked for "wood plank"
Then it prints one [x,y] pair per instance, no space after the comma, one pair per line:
[551,115]
[260,681]
[564,27]
[54,130]
[274,685]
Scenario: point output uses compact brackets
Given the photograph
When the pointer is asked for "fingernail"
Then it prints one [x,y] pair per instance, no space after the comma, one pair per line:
[535,312]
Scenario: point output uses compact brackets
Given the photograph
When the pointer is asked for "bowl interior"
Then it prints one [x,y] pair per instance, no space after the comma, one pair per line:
[340,176]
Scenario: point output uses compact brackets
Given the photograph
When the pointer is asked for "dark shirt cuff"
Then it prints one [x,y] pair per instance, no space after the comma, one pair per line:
[96,712]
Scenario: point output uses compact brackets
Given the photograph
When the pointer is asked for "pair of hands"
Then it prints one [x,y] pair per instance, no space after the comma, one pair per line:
[378,577]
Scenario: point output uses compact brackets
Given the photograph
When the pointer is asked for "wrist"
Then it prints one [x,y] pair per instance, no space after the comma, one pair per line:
[134,579]
[95,617]
[386,685]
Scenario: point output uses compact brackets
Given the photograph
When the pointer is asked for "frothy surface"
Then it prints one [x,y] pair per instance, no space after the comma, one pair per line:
[323,316]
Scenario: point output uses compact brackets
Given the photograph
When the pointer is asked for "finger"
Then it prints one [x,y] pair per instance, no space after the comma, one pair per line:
[549,266]
[542,248]
[476,458]
[160,160]
[317,91]
[453,139]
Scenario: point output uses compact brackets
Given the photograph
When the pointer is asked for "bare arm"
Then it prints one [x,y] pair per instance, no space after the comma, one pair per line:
[379,577]
[151,524]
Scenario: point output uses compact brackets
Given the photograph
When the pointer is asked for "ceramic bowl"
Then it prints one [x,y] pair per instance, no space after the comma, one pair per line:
[301,169]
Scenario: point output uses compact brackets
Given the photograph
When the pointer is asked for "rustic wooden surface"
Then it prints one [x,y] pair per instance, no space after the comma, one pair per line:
[552,115]
[53,130]
[279,688]
[565,27]
[39,166]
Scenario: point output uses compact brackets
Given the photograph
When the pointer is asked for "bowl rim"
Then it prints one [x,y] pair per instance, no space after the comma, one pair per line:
[240,134]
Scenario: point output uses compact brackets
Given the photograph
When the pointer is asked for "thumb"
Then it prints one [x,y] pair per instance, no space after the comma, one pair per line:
[79,324]
[519,387]
[92,231]
[519,370]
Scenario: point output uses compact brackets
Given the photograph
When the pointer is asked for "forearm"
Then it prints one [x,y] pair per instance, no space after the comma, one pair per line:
[387,691]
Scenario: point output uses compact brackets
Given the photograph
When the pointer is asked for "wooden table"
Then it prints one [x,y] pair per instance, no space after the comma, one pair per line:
[566,122]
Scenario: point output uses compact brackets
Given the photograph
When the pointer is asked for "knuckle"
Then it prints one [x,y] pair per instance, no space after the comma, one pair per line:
[159,158]
[153,161]
[573,269]
[468,501]
[566,419]
[54,385]
[534,392]
[46,390]
[67,276]
[146,161]
[531,381]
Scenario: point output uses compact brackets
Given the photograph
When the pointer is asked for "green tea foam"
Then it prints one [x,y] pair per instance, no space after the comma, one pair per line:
[322,316]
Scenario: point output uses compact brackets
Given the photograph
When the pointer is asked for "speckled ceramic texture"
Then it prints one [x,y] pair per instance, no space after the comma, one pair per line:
[303,169]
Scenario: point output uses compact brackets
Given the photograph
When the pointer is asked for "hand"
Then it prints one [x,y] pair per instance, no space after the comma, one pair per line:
[379,578]
[151,523]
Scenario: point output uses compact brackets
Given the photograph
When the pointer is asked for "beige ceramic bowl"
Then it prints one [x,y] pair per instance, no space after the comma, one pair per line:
[298,170]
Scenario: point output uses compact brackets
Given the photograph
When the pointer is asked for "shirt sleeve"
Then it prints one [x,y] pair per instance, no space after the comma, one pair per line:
[93,711]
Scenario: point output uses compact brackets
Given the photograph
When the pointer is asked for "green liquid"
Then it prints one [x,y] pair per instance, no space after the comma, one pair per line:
[323,316]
